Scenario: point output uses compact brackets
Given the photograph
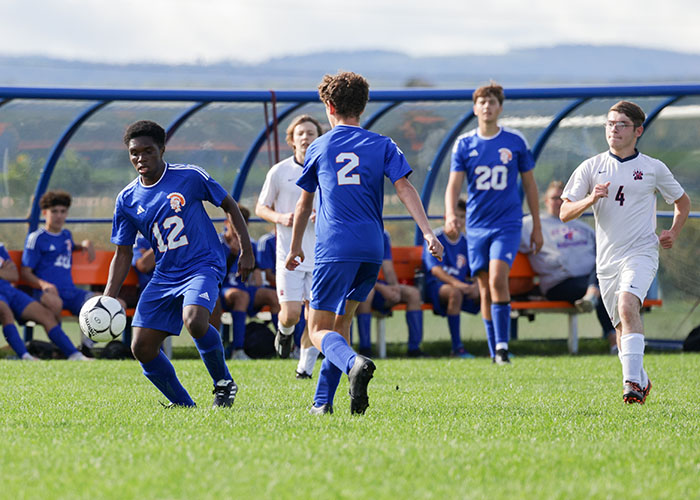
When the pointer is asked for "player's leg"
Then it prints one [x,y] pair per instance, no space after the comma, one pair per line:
[267,297]
[73,300]
[51,300]
[410,295]
[308,354]
[502,251]
[35,311]
[237,301]
[290,293]
[364,323]
[451,298]
[9,329]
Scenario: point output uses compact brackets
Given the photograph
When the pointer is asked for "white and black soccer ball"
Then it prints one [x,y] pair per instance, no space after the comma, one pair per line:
[102,318]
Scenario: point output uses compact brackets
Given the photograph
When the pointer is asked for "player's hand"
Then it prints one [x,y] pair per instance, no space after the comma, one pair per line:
[294,258]
[246,264]
[451,225]
[90,249]
[600,191]
[47,287]
[434,246]
[536,240]
[666,238]
[313,216]
[286,219]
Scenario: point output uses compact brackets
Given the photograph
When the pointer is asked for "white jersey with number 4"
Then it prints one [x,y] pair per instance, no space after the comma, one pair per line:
[626,219]
[280,191]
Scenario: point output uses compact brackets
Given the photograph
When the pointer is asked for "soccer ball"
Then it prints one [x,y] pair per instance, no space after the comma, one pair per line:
[102,318]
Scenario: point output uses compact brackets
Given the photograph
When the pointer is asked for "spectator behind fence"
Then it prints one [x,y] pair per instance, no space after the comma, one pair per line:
[566,262]
[447,283]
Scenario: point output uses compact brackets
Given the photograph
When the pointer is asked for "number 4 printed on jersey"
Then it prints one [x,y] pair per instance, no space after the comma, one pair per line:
[620,196]
[173,236]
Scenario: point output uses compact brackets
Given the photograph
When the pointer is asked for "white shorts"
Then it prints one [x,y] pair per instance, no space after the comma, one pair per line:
[293,286]
[635,276]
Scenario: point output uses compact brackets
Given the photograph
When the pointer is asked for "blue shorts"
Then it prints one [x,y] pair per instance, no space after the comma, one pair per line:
[161,303]
[17,300]
[251,290]
[432,295]
[73,298]
[485,245]
[333,283]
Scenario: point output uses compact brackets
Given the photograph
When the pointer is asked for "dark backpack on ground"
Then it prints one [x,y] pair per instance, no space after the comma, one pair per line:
[259,340]
[692,343]
[116,349]
[44,350]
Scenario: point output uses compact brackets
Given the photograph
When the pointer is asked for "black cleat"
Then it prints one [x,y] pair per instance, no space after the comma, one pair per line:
[645,391]
[224,393]
[321,410]
[633,393]
[501,357]
[303,375]
[359,376]
[283,344]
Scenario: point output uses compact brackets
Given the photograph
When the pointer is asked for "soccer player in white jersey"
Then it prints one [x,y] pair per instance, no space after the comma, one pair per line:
[276,204]
[164,203]
[348,166]
[621,186]
[491,157]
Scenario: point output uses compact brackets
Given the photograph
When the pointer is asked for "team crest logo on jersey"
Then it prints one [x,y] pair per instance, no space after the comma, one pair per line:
[177,201]
[506,155]
[637,175]
[461,261]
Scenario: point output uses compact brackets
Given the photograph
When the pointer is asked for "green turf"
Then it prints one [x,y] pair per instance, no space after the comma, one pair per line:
[545,427]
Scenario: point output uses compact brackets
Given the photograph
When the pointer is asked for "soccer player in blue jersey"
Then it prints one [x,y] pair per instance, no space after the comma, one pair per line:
[386,294]
[164,203]
[265,258]
[447,286]
[490,158]
[348,166]
[144,261]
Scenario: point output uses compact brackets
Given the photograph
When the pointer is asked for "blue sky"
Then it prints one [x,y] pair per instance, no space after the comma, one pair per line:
[174,31]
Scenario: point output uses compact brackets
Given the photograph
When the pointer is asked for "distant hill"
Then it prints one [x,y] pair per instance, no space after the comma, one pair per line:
[564,64]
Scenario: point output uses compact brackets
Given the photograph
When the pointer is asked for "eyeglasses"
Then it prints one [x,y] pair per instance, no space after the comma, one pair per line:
[618,125]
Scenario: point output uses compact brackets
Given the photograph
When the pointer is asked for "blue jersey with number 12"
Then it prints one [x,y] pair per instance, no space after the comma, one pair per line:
[348,165]
[492,166]
[170,214]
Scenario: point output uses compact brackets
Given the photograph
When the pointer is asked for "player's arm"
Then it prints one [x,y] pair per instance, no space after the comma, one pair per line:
[118,269]
[8,271]
[302,212]
[271,215]
[533,203]
[86,246]
[246,263]
[571,210]
[454,187]
[34,281]
[681,209]
[409,197]
[147,262]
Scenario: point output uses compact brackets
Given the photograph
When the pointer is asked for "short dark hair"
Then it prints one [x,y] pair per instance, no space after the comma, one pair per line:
[298,121]
[492,89]
[55,198]
[348,92]
[244,212]
[145,128]
[633,111]
[462,204]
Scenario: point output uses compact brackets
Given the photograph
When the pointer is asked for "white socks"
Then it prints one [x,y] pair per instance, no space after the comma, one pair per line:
[632,357]
[307,359]
[286,330]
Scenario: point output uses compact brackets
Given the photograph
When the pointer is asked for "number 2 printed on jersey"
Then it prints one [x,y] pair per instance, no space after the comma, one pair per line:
[495,178]
[173,237]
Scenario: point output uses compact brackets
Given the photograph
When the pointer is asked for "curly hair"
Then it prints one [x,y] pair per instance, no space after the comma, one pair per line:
[491,90]
[298,121]
[348,92]
[55,198]
[145,128]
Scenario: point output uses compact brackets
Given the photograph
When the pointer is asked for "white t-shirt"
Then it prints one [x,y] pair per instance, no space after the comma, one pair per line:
[626,219]
[281,193]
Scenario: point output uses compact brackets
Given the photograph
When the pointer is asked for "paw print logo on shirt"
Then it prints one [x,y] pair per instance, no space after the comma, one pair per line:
[637,175]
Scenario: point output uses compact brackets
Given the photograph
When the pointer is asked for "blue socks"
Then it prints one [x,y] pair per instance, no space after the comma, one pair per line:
[414,320]
[58,337]
[13,338]
[454,324]
[328,380]
[337,351]
[212,352]
[364,322]
[238,327]
[500,315]
[490,336]
[299,329]
[161,373]
[275,321]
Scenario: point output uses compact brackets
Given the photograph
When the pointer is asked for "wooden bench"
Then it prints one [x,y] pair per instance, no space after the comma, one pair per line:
[522,279]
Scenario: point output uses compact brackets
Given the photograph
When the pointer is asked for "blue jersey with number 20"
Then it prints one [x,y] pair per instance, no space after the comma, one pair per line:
[170,214]
[348,165]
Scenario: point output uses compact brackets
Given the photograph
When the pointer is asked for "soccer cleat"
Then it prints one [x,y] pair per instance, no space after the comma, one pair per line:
[224,393]
[239,355]
[321,410]
[283,344]
[28,357]
[633,393]
[169,406]
[302,375]
[359,376]
[501,357]
[645,391]
[462,353]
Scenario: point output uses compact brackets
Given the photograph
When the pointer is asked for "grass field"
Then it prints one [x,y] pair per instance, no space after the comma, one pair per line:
[545,427]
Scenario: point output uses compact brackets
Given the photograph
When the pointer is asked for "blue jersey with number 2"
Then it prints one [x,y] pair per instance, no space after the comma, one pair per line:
[348,165]
[492,166]
[170,214]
